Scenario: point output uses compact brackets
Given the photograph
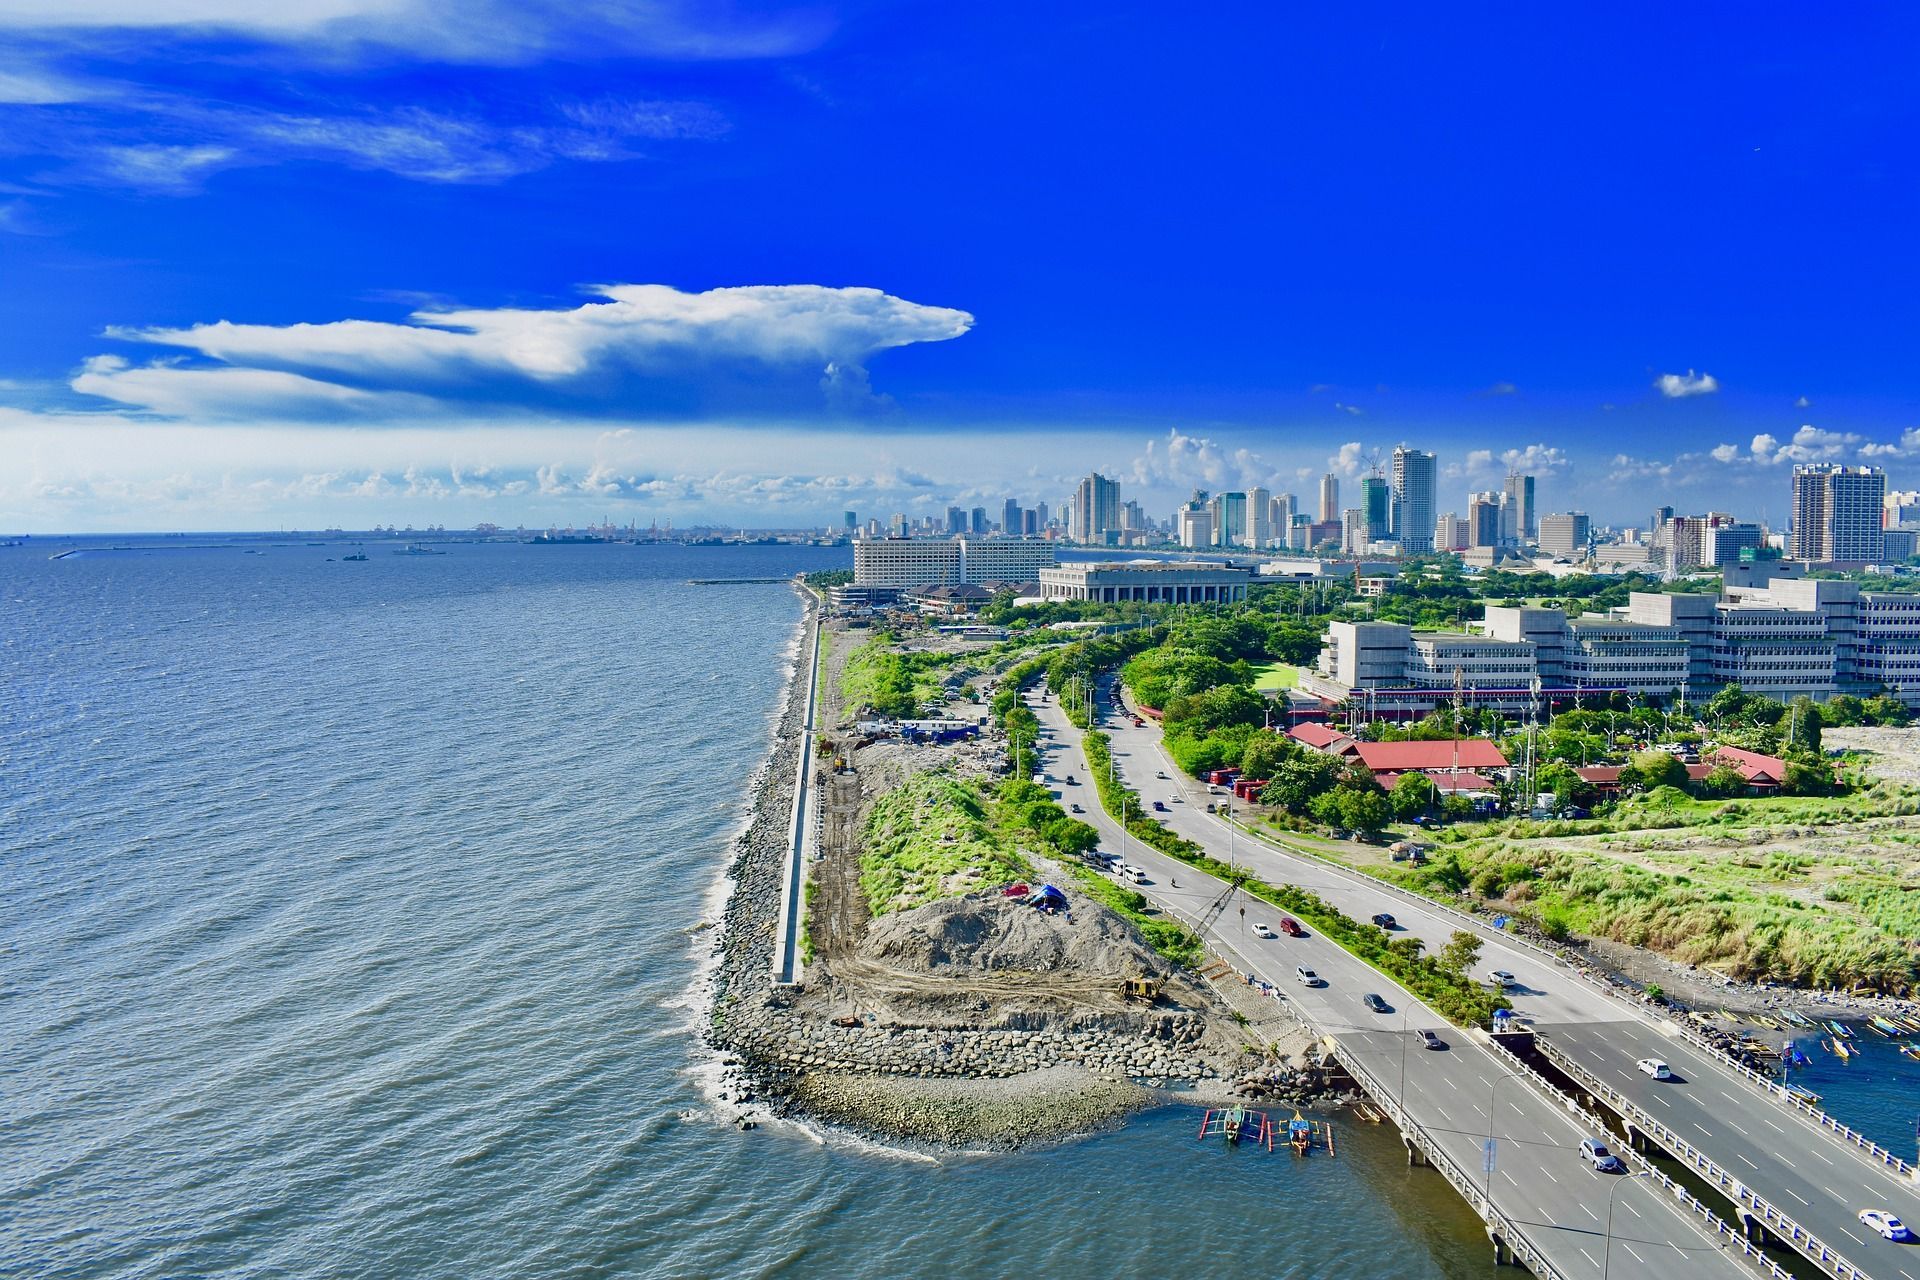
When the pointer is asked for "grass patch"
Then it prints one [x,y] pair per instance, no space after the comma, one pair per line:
[930,838]
[1273,676]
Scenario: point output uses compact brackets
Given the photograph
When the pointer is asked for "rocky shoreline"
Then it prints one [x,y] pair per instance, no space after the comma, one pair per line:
[949,1086]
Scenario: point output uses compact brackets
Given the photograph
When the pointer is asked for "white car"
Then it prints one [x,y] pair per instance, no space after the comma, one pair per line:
[1501,978]
[1655,1068]
[1261,931]
[1886,1224]
[1308,978]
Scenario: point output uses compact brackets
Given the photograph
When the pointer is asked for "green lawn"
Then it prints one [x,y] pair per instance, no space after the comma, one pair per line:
[1275,675]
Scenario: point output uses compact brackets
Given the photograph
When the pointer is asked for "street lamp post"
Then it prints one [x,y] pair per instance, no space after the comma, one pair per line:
[1492,1094]
[1606,1257]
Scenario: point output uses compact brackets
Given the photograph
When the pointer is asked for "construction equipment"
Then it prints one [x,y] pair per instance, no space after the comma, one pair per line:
[1147,989]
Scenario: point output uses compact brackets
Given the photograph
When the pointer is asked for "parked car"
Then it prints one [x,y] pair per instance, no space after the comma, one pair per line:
[1308,978]
[1655,1068]
[1886,1224]
[1291,927]
[1595,1152]
[1384,920]
[1261,931]
[1162,775]
[1375,1003]
[1428,1040]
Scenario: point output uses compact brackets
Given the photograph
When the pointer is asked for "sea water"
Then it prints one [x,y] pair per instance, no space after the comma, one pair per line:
[349,928]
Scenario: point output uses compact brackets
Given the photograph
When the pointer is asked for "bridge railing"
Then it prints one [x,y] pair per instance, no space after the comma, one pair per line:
[1512,1234]
[1783,1226]
[1866,1145]
[1573,967]
[1727,1237]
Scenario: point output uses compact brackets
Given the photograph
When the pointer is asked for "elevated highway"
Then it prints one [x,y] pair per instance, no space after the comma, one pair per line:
[1784,1168]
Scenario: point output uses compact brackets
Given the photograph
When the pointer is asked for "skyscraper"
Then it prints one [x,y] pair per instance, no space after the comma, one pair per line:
[1525,519]
[1258,531]
[1564,535]
[1096,509]
[1353,531]
[1374,501]
[1329,498]
[1837,513]
[1229,519]
[956,520]
[977,518]
[1011,521]
[1194,522]
[1414,476]
[1280,513]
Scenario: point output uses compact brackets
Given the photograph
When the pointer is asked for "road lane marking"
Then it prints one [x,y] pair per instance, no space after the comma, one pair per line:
[1771,1125]
[1816,1151]
[1729,1097]
[1590,1213]
[1643,1262]
[1549,1174]
[1702,1128]
[1589,1257]
[1628,1206]
[1737,1129]
[1835,1194]
[1796,1195]
[1743,1160]
[1662,1101]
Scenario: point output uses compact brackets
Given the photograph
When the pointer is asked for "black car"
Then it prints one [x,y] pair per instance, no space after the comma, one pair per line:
[1384,920]
[1077,809]
[1375,1003]
[1431,1041]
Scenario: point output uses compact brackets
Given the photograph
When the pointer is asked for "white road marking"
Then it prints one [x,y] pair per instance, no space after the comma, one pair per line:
[1662,1101]
[1702,1128]
[1549,1174]
[1509,1177]
[1591,1214]
[1729,1097]
[1771,1125]
[1628,1206]
[1796,1195]
[1816,1151]
[1737,1129]
[1835,1194]
[1589,1257]
[1743,1160]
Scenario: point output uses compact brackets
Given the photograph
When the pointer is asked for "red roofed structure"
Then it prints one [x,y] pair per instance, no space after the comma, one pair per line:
[1446,756]
[1763,773]
[1320,737]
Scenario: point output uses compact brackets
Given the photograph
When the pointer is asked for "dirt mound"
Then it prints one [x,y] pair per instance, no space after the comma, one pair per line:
[986,933]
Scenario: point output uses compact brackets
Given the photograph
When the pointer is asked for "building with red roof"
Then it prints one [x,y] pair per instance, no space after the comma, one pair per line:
[1321,737]
[1445,756]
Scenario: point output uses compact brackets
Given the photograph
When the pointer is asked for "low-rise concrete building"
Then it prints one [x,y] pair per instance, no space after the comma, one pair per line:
[1146,582]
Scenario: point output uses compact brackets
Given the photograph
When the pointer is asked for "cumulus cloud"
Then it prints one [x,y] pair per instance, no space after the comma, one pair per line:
[1802,403]
[1809,444]
[1677,386]
[647,330]
[1536,459]
[1350,461]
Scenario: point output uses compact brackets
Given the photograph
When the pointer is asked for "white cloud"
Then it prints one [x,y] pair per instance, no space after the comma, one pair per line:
[652,330]
[1725,452]
[166,170]
[1536,459]
[1802,403]
[1350,462]
[236,394]
[1353,409]
[1809,444]
[1907,446]
[1675,385]
[1502,389]
[639,322]
[480,31]
[29,85]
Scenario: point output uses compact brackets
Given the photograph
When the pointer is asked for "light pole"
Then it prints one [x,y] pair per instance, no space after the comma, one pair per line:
[1606,1256]
[1493,1093]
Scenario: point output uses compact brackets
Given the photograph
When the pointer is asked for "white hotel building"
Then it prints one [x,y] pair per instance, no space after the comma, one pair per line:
[900,563]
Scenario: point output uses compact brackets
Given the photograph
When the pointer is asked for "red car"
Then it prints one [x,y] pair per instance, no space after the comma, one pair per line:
[1291,927]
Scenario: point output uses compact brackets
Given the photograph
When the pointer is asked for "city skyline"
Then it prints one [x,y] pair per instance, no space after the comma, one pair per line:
[531,272]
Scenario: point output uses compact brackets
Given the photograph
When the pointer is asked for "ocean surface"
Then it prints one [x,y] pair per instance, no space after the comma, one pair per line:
[345,917]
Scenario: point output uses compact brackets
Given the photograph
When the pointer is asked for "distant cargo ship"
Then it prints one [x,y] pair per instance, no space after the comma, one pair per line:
[415,549]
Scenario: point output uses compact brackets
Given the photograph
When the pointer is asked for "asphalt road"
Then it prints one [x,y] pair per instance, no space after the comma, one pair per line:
[1461,1094]
[1804,1171]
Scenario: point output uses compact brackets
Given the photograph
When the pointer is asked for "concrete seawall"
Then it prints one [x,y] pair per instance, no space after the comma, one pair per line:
[800,831]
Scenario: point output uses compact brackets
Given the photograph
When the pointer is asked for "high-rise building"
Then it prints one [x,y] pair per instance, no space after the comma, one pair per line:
[1353,531]
[1414,483]
[956,520]
[1257,529]
[1040,515]
[1450,533]
[849,521]
[977,520]
[1837,513]
[1011,521]
[1565,535]
[1724,542]
[1280,512]
[1096,509]
[1229,519]
[1029,521]
[1375,501]
[1193,522]
[1329,498]
[1483,521]
[1525,518]
[1132,517]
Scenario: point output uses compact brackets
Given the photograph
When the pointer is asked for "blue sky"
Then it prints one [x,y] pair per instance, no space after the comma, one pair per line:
[343,261]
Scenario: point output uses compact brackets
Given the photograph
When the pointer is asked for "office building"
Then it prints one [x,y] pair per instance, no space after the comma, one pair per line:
[977,522]
[1194,522]
[1329,499]
[1229,520]
[1723,543]
[1565,535]
[1413,504]
[1450,533]
[1011,519]
[899,563]
[1837,513]
[1280,513]
[1483,521]
[1258,535]
[1096,510]
[849,521]
[956,520]
[1519,490]
[1146,581]
[1354,539]
[1375,502]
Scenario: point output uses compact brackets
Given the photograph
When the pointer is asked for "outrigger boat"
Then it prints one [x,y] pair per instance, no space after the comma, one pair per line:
[1303,1135]
[1235,1123]
[1803,1093]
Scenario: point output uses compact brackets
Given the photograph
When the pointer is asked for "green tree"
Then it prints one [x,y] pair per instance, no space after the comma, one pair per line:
[1458,956]
[1264,753]
[1658,769]
[1366,811]
[1298,779]
[1724,783]
[1411,796]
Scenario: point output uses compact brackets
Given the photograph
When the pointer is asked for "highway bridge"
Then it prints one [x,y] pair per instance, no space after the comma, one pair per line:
[1784,1172]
